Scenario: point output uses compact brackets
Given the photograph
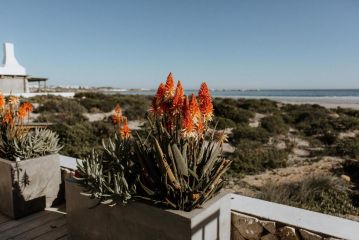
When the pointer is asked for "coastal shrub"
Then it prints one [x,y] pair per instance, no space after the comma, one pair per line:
[348,112]
[345,123]
[78,139]
[62,117]
[244,132]
[274,124]
[347,147]
[134,106]
[351,169]
[316,193]
[228,108]
[309,119]
[258,105]
[329,137]
[222,123]
[252,157]
[61,105]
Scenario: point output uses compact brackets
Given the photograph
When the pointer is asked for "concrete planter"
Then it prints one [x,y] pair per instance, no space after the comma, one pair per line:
[141,221]
[29,185]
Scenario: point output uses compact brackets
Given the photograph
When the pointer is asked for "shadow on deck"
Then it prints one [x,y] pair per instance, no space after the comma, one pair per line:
[47,224]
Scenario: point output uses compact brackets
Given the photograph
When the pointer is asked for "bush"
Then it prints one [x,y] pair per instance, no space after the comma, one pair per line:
[251,158]
[322,193]
[223,123]
[259,105]
[274,124]
[310,119]
[134,107]
[61,105]
[244,132]
[229,108]
[347,147]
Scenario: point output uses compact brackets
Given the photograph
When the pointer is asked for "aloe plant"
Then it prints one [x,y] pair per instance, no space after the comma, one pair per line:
[31,144]
[181,158]
[16,140]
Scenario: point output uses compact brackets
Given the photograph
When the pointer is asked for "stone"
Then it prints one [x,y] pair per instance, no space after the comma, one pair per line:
[270,226]
[306,235]
[345,178]
[248,227]
[235,235]
[269,236]
[288,233]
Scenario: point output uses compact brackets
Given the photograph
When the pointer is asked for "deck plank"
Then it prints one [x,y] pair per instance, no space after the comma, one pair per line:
[42,229]
[58,233]
[4,219]
[13,223]
[47,224]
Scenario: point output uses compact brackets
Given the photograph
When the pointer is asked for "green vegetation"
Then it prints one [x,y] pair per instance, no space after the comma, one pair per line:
[274,124]
[316,193]
[251,157]
[255,146]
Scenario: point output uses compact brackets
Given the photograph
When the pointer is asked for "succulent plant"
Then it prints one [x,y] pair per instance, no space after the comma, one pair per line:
[110,177]
[180,160]
[33,143]
[16,140]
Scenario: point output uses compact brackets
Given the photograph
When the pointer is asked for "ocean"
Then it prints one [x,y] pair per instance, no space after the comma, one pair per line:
[325,97]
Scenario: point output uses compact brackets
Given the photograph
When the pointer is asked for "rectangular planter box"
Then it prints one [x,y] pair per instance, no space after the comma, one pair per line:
[142,221]
[30,185]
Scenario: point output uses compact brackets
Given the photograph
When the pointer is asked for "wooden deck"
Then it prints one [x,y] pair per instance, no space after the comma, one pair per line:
[49,224]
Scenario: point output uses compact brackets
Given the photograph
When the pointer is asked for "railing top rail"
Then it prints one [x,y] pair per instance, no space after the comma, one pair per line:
[297,217]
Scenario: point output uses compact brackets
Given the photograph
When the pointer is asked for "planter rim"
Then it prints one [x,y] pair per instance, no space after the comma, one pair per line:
[26,160]
[221,194]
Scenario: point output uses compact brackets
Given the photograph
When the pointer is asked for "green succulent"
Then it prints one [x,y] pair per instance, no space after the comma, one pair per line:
[33,143]
[110,176]
[178,172]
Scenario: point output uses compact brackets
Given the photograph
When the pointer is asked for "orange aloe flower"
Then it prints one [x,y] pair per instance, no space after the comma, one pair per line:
[177,102]
[8,119]
[188,127]
[200,128]
[24,110]
[21,113]
[27,107]
[125,131]
[13,100]
[117,116]
[157,106]
[2,101]
[169,87]
[205,102]
[194,109]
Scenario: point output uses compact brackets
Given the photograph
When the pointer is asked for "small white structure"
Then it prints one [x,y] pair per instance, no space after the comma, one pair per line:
[10,65]
[13,76]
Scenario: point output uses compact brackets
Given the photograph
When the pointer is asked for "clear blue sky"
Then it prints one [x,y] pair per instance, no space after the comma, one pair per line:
[229,44]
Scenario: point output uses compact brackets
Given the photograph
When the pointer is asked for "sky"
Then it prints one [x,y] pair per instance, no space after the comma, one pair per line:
[231,44]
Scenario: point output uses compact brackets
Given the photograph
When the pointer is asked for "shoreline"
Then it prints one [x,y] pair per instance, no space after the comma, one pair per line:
[327,102]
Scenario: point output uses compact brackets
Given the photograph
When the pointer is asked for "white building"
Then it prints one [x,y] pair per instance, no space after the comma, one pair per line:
[13,77]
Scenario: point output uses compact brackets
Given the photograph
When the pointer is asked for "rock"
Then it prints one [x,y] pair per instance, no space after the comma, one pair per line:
[235,235]
[288,233]
[269,236]
[270,226]
[345,178]
[306,235]
[248,227]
